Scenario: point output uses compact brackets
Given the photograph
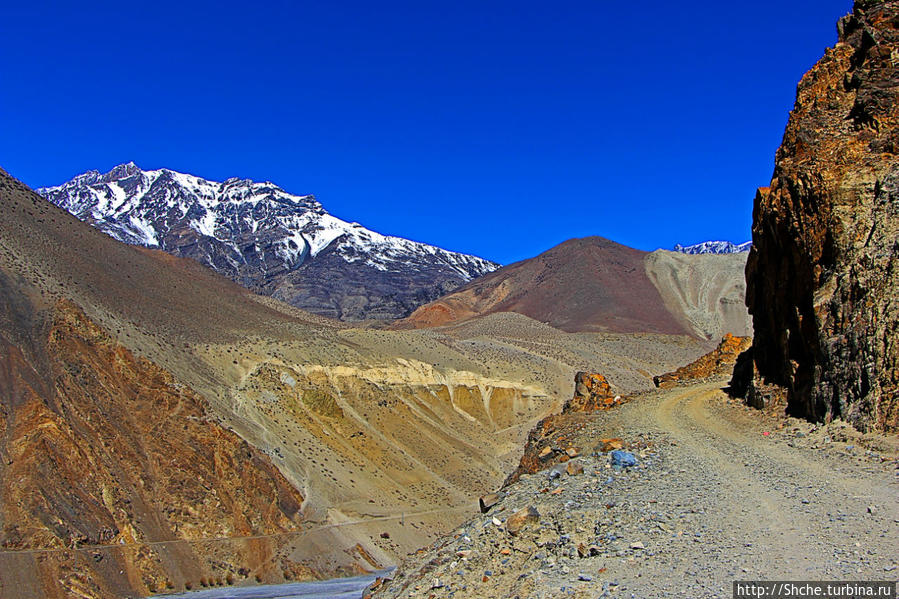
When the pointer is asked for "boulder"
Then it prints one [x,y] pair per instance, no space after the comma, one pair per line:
[591,392]
[517,521]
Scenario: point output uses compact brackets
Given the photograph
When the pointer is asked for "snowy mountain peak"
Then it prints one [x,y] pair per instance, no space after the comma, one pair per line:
[713,247]
[258,234]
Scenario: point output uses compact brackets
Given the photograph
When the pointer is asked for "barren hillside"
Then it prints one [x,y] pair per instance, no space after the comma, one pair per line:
[371,431]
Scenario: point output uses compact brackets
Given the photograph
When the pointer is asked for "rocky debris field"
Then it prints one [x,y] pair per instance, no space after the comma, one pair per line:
[718,492]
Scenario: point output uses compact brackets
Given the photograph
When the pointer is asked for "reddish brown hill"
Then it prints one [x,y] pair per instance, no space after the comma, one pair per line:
[589,284]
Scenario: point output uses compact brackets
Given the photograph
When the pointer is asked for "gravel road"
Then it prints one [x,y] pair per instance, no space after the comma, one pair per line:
[721,492]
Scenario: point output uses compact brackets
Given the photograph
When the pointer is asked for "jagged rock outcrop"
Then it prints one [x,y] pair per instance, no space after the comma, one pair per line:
[549,442]
[822,275]
[718,361]
[591,392]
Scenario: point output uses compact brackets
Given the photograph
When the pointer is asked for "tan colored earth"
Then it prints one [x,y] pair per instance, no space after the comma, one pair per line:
[387,437]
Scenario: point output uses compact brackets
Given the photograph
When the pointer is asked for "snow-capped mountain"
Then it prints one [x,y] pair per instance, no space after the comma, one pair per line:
[268,240]
[713,247]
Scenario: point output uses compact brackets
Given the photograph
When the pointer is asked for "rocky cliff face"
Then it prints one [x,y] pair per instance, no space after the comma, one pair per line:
[822,275]
[115,479]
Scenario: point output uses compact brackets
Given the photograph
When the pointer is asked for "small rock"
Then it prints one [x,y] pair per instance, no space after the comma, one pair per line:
[488,501]
[496,521]
[572,452]
[505,551]
[637,545]
[545,452]
[622,459]
[574,468]
[522,518]
[585,577]
[872,509]
[436,584]
[610,444]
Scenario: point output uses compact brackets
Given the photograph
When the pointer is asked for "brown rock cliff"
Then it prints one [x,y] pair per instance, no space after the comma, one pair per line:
[822,276]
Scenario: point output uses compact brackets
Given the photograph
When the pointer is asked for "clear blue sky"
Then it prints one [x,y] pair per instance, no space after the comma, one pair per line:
[492,127]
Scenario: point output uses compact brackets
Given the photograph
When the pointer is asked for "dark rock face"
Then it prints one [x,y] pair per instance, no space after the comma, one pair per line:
[822,275]
[270,241]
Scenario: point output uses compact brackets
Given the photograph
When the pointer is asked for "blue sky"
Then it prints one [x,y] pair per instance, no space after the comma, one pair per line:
[495,128]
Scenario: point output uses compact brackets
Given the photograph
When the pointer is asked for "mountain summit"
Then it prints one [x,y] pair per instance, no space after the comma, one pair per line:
[271,241]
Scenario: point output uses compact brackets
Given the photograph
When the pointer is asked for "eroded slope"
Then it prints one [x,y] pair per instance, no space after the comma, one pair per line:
[387,437]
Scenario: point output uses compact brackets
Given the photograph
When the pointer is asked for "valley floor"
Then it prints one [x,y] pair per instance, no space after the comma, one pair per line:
[720,493]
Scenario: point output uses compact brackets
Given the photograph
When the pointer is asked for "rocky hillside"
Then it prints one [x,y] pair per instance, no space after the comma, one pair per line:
[823,282]
[113,476]
[270,241]
[717,362]
[122,365]
[594,284]
[675,493]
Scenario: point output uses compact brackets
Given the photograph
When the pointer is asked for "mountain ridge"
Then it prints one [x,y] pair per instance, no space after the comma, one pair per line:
[385,437]
[268,240]
[713,247]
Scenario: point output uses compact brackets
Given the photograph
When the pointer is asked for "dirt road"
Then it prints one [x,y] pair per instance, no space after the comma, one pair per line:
[721,493]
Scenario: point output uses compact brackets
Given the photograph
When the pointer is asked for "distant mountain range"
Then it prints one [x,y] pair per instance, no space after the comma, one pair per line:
[713,247]
[268,240]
